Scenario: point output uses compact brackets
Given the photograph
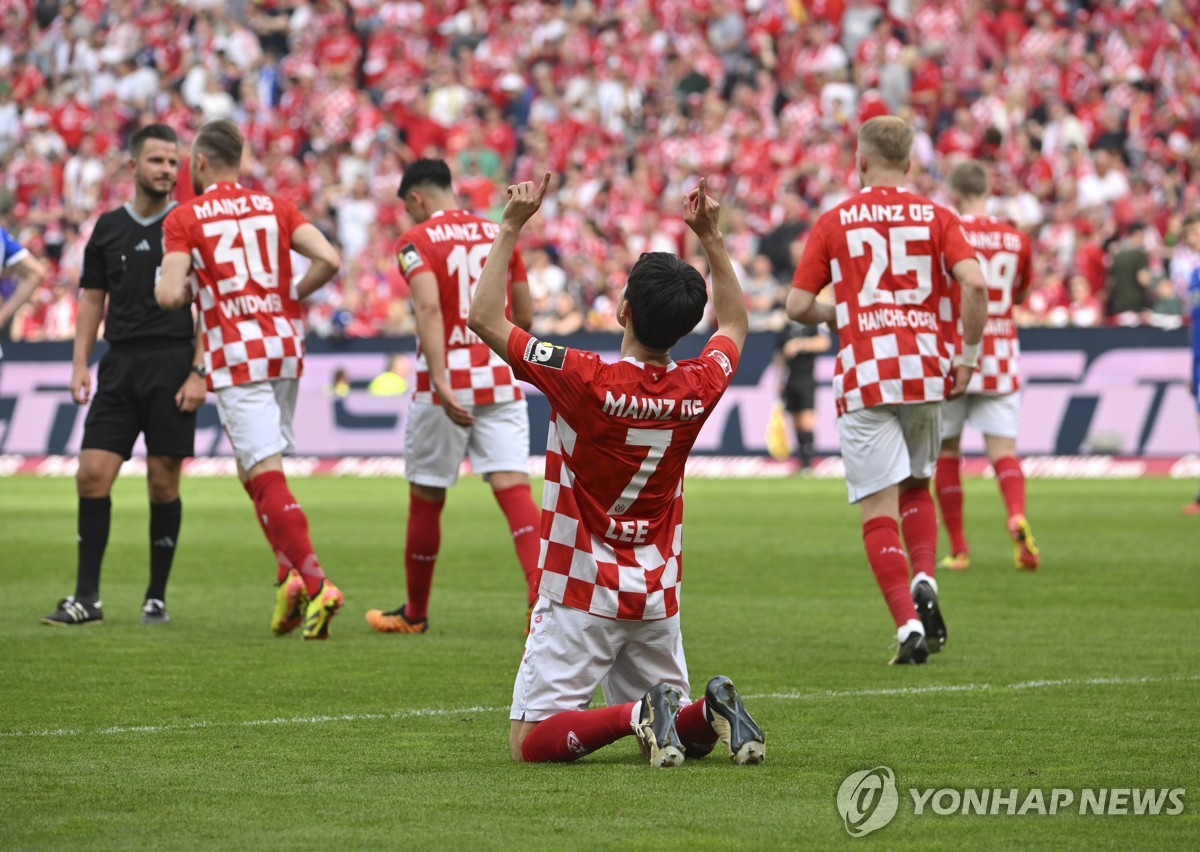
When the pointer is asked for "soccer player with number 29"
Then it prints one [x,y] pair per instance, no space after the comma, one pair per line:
[887,252]
[238,243]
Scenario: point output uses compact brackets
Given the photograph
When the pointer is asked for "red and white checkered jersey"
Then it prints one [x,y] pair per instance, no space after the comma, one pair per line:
[612,504]
[887,251]
[453,245]
[1007,259]
[240,241]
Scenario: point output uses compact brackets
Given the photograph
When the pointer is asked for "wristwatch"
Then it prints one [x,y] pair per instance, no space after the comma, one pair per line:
[200,371]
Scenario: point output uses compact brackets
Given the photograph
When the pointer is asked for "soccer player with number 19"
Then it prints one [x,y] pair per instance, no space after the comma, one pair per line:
[612,508]
[238,243]
[887,252]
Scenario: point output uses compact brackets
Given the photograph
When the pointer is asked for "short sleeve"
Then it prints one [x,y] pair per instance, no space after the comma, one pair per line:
[175,237]
[563,375]
[718,361]
[13,252]
[1026,268]
[955,247]
[411,257]
[813,270]
[289,215]
[94,275]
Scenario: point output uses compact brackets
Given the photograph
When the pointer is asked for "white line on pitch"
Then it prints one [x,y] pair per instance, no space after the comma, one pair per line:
[455,711]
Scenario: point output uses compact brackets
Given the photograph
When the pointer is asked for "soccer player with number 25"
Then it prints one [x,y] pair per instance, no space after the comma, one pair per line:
[238,243]
[612,508]
[887,252]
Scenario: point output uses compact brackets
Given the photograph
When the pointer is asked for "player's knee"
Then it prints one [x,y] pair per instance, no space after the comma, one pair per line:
[92,480]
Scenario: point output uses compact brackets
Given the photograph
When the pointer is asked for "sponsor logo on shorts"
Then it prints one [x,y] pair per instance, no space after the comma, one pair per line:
[545,354]
[722,359]
[410,258]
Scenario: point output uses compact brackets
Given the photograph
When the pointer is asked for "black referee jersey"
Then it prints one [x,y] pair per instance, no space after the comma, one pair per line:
[124,257]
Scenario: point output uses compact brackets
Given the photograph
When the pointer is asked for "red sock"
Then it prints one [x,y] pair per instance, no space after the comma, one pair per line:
[523,520]
[919,521]
[286,526]
[420,553]
[1011,480]
[948,480]
[695,732]
[881,536]
[573,733]
[282,563]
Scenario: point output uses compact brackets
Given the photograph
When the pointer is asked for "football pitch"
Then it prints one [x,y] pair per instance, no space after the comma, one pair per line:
[209,733]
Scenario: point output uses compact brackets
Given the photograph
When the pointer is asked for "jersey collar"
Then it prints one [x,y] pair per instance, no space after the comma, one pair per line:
[223,183]
[629,359]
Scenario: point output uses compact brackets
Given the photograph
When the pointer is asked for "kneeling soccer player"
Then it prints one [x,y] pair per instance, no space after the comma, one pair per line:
[612,508]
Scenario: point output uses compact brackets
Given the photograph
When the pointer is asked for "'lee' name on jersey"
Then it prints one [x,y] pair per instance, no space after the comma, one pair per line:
[240,206]
[874,213]
[650,408]
[466,232]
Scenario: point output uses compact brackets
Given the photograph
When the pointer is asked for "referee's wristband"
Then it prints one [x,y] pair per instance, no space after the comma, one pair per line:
[970,355]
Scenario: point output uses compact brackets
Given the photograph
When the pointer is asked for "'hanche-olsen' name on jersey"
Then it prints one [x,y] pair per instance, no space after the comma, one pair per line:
[1007,257]
[612,504]
[453,245]
[240,241]
[887,252]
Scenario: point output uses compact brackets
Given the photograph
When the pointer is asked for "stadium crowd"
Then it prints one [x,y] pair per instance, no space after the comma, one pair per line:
[1088,114]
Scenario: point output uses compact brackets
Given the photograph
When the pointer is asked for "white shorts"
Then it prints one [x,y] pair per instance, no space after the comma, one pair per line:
[570,652]
[886,444]
[434,445]
[991,415]
[258,418]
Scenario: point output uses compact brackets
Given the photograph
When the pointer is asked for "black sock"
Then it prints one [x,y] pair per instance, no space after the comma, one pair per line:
[164,534]
[95,516]
[804,447]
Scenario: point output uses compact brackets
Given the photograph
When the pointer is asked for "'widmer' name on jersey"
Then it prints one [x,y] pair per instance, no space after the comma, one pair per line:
[467,232]
[873,213]
[240,206]
[651,408]
[249,304]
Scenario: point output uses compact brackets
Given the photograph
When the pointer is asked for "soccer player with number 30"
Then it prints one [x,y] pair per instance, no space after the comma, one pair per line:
[238,243]
[887,252]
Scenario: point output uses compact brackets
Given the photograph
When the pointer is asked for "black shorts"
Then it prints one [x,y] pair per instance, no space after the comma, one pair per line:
[135,393]
[800,393]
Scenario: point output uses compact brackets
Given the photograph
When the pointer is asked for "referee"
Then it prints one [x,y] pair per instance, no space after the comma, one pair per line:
[148,381]
[798,346]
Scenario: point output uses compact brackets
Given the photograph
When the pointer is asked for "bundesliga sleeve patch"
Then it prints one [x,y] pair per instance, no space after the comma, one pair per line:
[722,359]
[545,354]
[410,258]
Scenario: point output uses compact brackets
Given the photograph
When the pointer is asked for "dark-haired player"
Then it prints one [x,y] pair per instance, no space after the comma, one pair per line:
[612,508]
[466,403]
[238,243]
[890,256]
[150,381]
[991,403]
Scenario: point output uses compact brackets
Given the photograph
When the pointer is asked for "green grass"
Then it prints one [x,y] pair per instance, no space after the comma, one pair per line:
[252,742]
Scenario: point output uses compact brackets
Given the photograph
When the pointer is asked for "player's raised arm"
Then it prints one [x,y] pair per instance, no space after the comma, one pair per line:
[486,317]
[969,275]
[171,290]
[729,304]
[311,243]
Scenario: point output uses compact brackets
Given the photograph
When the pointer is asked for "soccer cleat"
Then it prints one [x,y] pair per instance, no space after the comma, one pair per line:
[71,612]
[912,651]
[321,610]
[154,611]
[656,729]
[395,621]
[1025,552]
[1191,509]
[725,712]
[290,601]
[926,602]
[956,562]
